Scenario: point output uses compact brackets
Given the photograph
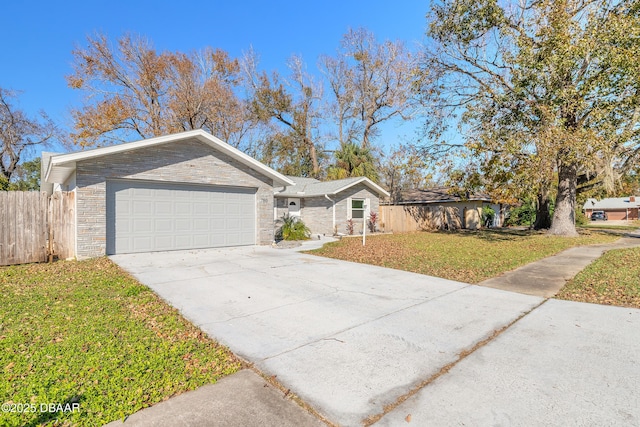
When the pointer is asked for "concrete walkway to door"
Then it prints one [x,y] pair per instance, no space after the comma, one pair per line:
[361,343]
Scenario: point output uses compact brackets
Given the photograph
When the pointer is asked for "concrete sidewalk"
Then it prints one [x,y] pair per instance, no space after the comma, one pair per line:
[546,277]
[242,399]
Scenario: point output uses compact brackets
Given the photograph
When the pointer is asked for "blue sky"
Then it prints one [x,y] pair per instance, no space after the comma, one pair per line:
[37,37]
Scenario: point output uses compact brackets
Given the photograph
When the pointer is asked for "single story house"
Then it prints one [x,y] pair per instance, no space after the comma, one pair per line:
[443,208]
[183,191]
[617,208]
[326,206]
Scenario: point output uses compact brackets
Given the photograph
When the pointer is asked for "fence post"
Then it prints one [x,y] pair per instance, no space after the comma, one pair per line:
[49,220]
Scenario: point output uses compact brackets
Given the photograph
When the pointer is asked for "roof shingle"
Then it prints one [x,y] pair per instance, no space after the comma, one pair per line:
[309,187]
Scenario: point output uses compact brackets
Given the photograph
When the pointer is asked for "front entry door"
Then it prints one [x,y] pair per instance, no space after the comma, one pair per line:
[294,207]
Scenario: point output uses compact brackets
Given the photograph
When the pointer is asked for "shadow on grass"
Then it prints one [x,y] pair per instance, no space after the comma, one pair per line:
[494,234]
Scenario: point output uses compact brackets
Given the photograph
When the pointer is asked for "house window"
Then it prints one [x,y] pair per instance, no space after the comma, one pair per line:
[357,209]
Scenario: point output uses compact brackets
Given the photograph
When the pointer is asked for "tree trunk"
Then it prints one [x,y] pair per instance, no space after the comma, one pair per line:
[543,217]
[313,154]
[564,223]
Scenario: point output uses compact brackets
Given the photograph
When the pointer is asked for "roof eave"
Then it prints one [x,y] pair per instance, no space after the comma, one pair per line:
[367,182]
[201,135]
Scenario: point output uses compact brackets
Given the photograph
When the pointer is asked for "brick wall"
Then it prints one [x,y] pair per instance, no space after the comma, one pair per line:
[188,161]
[317,214]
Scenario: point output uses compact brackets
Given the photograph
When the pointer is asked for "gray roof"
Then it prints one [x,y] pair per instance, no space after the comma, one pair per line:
[612,203]
[437,195]
[310,187]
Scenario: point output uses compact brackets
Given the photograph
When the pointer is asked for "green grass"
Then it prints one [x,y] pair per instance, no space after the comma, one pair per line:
[87,333]
[613,279]
[467,256]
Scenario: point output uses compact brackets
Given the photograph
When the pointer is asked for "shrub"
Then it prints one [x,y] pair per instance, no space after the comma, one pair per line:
[581,218]
[350,227]
[525,214]
[373,220]
[488,214]
[292,228]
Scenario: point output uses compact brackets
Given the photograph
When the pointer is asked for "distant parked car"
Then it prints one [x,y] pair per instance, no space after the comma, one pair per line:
[599,216]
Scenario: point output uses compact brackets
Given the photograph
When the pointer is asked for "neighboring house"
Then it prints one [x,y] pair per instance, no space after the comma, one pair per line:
[326,206]
[620,208]
[182,191]
[441,208]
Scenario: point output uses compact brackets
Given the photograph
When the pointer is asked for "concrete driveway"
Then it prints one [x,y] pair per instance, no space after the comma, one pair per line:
[362,343]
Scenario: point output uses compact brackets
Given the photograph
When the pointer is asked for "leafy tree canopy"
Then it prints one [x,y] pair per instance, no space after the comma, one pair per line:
[546,92]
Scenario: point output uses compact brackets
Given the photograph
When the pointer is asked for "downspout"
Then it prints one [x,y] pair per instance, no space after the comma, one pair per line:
[334,212]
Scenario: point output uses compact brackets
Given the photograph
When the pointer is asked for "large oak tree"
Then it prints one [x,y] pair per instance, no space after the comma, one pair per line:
[547,91]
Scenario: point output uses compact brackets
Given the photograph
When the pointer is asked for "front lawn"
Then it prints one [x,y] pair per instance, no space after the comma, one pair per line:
[87,336]
[466,256]
[613,279]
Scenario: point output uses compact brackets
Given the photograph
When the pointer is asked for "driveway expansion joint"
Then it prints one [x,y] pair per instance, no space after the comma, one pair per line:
[372,419]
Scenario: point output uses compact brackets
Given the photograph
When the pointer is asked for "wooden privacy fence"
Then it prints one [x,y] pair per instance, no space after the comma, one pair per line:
[405,218]
[35,227]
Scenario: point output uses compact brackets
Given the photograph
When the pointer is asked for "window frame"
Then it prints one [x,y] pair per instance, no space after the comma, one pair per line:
[360,209]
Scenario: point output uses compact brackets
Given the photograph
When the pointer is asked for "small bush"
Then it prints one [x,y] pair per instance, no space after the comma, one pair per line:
[292,228]
[524,214]
[488,214]
[350,227]
[581,218]
[373,221]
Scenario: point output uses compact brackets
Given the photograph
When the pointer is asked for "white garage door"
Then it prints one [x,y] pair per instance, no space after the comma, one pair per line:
[145,216]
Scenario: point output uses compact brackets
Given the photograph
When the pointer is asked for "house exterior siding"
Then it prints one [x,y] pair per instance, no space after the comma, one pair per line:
[359,191]
[190,161]
[281,207]
[317,212]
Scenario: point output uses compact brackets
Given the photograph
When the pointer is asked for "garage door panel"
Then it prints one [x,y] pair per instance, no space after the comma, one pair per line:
[218,208]
[154,216]
[144,225]
[233,223]
[163,208]
[142,207]
[201,225]
[163,225]
[246,223]
[162,243]
[143,192]
[181,195]
[181,225]
[123,208]
[201,208]
[233,208]
[217,225]
[201,240]
[183,208]
[142,244]
[183,242]
[233,240]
